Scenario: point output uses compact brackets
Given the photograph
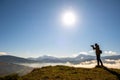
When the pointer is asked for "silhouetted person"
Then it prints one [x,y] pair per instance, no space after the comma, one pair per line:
[98,53]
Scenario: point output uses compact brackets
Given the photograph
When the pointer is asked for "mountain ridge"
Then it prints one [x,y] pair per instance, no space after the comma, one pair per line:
[14,59]
[51,59]
[77,59]
[10,68]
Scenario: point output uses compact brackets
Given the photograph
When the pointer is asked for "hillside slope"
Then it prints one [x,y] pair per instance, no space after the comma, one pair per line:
[14,59]
[71,73]
[9,68]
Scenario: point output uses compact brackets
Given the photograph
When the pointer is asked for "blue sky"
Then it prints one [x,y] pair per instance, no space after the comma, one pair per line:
[31,28]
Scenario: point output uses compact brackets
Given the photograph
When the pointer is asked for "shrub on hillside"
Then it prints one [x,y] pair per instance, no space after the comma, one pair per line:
[10,77]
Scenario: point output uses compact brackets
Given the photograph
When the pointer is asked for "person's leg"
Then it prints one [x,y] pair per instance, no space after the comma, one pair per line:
[101,62]
[98,59]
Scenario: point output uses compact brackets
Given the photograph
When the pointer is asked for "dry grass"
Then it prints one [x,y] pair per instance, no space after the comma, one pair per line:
[71,73]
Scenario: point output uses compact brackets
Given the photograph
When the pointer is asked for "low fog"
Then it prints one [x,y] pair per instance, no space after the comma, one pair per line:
[87,64]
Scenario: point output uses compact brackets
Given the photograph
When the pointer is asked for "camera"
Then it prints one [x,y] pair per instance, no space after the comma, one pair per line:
[91,45]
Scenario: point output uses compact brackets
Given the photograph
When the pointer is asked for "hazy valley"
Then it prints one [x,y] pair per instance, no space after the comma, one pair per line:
[11,64]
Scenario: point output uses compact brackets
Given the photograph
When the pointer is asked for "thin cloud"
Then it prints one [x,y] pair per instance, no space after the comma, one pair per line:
[85,53]
[110,53]
[77,54]
[91,51]
[3,53]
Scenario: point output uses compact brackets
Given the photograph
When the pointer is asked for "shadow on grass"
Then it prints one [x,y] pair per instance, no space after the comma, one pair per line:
[112,72]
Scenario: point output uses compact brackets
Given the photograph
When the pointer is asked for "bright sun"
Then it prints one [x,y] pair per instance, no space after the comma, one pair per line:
[69,18]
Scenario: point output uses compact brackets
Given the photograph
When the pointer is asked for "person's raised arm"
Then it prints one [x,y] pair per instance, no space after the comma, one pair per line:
[93,46]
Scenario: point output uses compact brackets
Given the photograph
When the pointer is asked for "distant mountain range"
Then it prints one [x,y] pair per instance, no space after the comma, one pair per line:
[9,64]
[51,59]
[14,59]
[75,60]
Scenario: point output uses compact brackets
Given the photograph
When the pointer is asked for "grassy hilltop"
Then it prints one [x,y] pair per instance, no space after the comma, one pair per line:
[71,73]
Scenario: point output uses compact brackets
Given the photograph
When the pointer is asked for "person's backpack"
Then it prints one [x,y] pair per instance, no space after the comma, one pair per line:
[100,51]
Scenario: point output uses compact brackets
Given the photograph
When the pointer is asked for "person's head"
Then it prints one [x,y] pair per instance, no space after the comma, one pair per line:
[96,44]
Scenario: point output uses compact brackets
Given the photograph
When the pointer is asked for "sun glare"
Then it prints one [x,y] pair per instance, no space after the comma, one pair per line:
[68,18]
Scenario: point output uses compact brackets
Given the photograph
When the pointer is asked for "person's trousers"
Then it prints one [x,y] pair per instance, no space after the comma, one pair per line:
[99,60]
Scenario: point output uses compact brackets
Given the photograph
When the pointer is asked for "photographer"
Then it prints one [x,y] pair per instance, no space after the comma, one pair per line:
[98,53]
